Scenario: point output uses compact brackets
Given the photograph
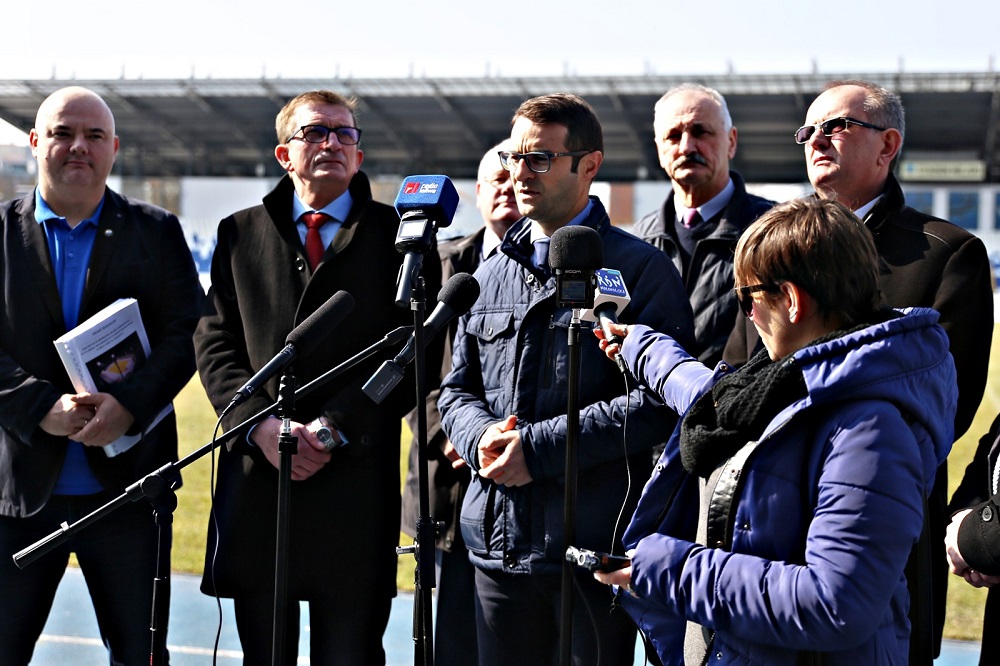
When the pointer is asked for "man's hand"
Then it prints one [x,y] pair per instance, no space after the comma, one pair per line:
[66,417]
[451,453]
[501,458]
[310,456]
[956,562]
[110,419]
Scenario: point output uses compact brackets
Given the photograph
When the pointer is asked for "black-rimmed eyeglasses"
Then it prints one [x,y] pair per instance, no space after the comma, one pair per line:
[745,295]
[538,161]
[831,127]
[347,136]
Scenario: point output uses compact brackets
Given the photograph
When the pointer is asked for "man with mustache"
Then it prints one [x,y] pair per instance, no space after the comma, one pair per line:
[706,211]
[852,142]
[316,233]
[71,247]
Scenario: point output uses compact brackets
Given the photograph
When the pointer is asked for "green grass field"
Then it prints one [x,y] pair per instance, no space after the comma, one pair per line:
[197,420]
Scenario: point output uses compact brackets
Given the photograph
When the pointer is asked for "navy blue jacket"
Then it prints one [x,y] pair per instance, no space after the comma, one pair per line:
[824,510]
[511,357]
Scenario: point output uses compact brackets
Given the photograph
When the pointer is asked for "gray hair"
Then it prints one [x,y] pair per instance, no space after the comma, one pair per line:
[696,87]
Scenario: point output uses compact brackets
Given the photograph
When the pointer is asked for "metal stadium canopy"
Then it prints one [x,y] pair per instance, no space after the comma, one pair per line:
[224,127]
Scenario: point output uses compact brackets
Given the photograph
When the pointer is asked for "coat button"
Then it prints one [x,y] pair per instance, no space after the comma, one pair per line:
[987,514]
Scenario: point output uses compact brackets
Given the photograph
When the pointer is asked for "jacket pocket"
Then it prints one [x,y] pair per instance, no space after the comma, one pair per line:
[488,326]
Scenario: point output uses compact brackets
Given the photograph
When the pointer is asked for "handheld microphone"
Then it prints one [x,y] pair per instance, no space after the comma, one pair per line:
[456,298]
[575,254]
[610,298]
[303,339]
[424,204]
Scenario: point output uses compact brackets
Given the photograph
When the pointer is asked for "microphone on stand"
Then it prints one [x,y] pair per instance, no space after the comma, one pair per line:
[575,254]
[456,297]
[301,340]
[425,204]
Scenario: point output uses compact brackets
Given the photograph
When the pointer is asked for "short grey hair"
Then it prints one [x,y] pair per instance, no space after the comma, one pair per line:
[695,87]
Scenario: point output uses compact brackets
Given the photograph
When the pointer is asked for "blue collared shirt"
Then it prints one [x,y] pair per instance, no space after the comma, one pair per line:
[69,251]
[338,209]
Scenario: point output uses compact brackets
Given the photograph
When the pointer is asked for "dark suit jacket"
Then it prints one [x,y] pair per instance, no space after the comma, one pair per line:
[139,252]
[345,517]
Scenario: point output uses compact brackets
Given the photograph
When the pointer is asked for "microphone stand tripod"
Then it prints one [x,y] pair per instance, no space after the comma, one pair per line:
[156,484]
[569,502]
[426,528]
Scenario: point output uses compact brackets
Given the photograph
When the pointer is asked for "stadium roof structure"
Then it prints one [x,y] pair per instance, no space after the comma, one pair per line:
[224,127]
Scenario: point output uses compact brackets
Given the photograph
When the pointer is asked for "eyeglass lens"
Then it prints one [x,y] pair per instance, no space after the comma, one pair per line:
[347,136]
[538,161]
[828,127]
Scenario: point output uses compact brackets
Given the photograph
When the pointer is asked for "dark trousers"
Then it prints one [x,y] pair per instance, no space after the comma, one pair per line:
[117,555]
[343,631]
[519,619]
[455,641]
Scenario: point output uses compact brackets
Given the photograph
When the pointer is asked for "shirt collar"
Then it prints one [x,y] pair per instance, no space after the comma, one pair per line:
[864,210]
[490,243]
[710,208]
[338,209]
[44,213]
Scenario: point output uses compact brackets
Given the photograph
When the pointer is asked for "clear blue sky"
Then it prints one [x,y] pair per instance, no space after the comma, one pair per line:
[311,38]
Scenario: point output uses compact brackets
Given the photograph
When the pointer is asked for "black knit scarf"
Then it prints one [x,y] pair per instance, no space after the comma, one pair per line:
[740,405]
[737,410]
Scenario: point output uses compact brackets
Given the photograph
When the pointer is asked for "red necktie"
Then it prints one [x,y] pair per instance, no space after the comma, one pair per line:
[314,243]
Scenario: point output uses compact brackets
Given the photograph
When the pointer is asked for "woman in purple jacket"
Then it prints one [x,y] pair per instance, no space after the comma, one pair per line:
[776,525]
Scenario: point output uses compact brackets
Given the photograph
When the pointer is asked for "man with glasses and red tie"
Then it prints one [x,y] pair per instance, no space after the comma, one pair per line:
[504,403]
[316,233]
[852,142]
[706,211]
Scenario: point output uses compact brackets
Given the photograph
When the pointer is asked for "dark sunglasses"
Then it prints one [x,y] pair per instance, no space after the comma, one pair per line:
[745,296]
[831,127]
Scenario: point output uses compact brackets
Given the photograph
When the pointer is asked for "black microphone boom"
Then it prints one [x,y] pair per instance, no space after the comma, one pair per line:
[301,340]
[456,298]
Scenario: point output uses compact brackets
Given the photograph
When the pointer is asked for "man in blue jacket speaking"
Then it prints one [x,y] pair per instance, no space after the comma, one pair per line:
[504,403]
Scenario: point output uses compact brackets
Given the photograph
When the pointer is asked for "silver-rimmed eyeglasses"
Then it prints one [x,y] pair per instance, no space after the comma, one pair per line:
[830,127]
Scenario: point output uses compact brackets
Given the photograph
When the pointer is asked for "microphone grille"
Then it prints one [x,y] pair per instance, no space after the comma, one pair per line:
[316,327]
[576,247]
[460,292]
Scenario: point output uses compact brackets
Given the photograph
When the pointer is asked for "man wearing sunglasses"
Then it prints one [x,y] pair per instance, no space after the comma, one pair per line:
[316,233]
[706,211]
[852,140]
[504,403]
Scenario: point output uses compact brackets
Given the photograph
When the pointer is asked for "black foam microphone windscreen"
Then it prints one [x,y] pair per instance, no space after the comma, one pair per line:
[576,248]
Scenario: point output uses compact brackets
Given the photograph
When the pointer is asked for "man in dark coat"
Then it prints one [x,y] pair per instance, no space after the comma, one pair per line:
[455,628]
[266,278]
[705,212]
[852,143]
[71,248]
